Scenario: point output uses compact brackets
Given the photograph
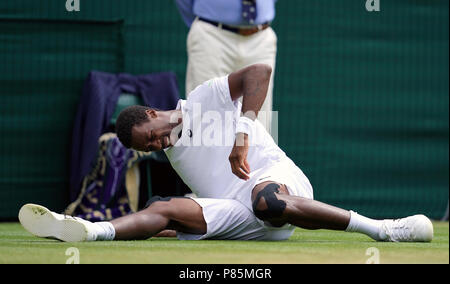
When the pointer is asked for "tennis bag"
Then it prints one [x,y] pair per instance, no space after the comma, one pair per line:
[111,189]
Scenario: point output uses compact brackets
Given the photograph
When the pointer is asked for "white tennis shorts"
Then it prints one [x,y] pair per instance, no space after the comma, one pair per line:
[229,219]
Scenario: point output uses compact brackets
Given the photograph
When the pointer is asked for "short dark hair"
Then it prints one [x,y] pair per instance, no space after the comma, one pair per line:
[127,119]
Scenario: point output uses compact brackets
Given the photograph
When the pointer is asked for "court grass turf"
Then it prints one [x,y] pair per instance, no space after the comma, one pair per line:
[305,246]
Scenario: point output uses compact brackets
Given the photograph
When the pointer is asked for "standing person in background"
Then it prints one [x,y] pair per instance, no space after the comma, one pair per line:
[227,35]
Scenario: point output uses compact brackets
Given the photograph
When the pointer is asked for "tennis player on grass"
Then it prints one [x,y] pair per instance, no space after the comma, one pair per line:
[247,187]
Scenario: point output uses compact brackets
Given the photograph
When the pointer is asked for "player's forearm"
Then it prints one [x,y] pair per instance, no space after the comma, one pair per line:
[251,83]
[255,83]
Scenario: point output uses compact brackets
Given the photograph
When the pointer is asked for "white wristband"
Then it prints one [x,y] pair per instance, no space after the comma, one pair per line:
[244,125]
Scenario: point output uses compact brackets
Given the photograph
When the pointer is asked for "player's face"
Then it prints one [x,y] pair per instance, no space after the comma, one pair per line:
[152,135]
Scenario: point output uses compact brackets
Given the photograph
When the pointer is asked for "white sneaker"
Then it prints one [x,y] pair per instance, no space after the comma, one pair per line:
[41,222]
[417,228]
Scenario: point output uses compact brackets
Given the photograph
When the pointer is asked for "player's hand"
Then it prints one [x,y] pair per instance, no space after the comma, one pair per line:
[238,157]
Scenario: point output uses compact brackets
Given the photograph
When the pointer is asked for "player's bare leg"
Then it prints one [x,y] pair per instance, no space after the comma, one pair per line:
[179,214]
[272,203]
[298,211]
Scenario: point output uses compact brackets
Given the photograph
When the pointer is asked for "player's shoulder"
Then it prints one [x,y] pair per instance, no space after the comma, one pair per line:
[218,84]
[215,90]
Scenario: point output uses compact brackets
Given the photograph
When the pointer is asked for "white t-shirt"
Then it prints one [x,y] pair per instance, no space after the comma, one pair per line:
[200,156]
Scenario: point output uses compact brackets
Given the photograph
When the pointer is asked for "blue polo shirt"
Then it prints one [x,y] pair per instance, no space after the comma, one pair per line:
[227,12]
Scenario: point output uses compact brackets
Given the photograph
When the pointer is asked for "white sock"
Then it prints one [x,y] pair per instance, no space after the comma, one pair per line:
[361,224]
[105,231]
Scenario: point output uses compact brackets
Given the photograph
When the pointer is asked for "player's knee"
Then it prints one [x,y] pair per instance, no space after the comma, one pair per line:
[266,205]
[159,205]
[155,199]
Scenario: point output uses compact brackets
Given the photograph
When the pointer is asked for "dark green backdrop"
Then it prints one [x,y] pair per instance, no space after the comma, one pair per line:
[362,97]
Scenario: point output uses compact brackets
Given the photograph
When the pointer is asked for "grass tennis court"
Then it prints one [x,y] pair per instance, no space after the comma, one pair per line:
[322,246]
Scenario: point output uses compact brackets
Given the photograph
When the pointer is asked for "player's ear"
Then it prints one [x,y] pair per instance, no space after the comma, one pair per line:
[151,113]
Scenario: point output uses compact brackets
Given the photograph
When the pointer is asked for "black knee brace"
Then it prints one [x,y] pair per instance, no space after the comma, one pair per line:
[274,208]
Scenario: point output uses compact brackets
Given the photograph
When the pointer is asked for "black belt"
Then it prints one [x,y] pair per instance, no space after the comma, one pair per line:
[240,31]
